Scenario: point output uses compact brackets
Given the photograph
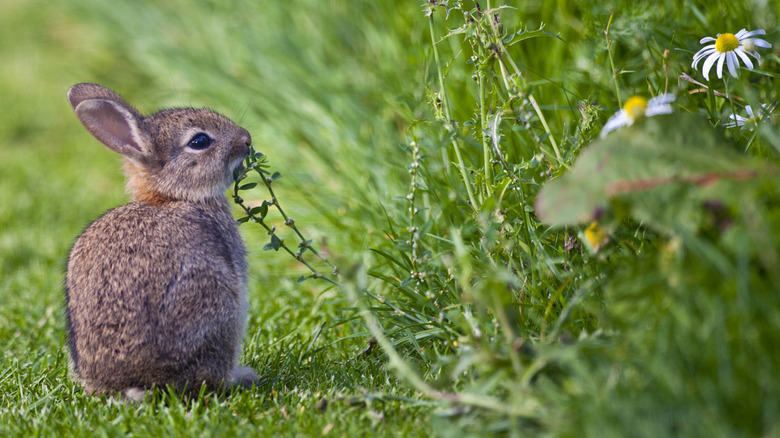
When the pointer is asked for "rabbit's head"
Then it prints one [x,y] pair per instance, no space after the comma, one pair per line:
[175,154]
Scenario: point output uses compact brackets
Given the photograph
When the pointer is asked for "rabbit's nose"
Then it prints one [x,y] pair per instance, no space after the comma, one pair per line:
[244,138]
[241,142]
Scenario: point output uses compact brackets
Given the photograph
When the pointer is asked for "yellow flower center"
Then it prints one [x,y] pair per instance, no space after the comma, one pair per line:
[726,42]
[596,236]
[635,107]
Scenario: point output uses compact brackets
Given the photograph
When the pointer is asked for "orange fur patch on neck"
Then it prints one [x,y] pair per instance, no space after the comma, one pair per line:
[139,187]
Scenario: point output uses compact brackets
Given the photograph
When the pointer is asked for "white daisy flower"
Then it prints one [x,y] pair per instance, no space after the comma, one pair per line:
[636,108]
[752,120]
[728,47]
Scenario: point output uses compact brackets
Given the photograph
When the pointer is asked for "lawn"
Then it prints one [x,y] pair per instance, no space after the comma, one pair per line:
[502,267]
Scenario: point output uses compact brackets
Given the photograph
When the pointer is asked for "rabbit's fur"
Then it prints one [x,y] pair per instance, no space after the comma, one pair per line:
[156,289]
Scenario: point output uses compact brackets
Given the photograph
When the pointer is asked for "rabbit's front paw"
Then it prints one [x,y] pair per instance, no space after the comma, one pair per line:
[243,377]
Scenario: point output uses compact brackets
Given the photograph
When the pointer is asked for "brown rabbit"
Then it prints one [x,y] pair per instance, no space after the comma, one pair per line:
[156,289]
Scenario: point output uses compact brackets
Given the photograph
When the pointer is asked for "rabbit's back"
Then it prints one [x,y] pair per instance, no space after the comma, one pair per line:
[156,295]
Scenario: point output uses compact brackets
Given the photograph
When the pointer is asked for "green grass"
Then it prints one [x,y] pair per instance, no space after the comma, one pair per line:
[488,319]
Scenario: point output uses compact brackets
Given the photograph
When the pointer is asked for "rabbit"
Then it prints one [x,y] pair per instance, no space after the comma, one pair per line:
[156,289]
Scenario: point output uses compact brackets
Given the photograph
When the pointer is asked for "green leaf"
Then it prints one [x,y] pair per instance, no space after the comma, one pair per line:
[262,209]
[526,34]
[664,168]
[248,186]
[275,244]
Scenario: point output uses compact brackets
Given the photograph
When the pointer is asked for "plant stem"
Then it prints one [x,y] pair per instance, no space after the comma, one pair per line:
[730,101]
[275,201]
[446,108]
[485,147]
[537,109]
[253,164]
[612,62]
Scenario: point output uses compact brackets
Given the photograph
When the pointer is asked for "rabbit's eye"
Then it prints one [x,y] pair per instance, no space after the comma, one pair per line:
[200,141]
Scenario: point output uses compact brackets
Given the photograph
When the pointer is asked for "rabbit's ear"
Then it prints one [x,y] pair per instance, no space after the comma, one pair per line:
[110,120]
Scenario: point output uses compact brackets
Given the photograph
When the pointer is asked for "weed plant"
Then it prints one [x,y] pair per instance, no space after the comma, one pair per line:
[524,327]
[454,247]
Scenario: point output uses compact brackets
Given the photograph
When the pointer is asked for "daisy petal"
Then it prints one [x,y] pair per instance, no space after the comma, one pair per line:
[741,34]
[758,42]
[658,109]
[706,40]
[662,99]
[749,111]
[705,69]
[733,122]
[751,33]
[754,54]
[745,59]
[617,120]
[702,56]
[706,49]
[733,64]
[702,53]
[719,68]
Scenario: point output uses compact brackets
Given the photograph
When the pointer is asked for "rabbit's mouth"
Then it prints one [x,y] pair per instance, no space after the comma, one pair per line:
[236,162]
[236,168]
